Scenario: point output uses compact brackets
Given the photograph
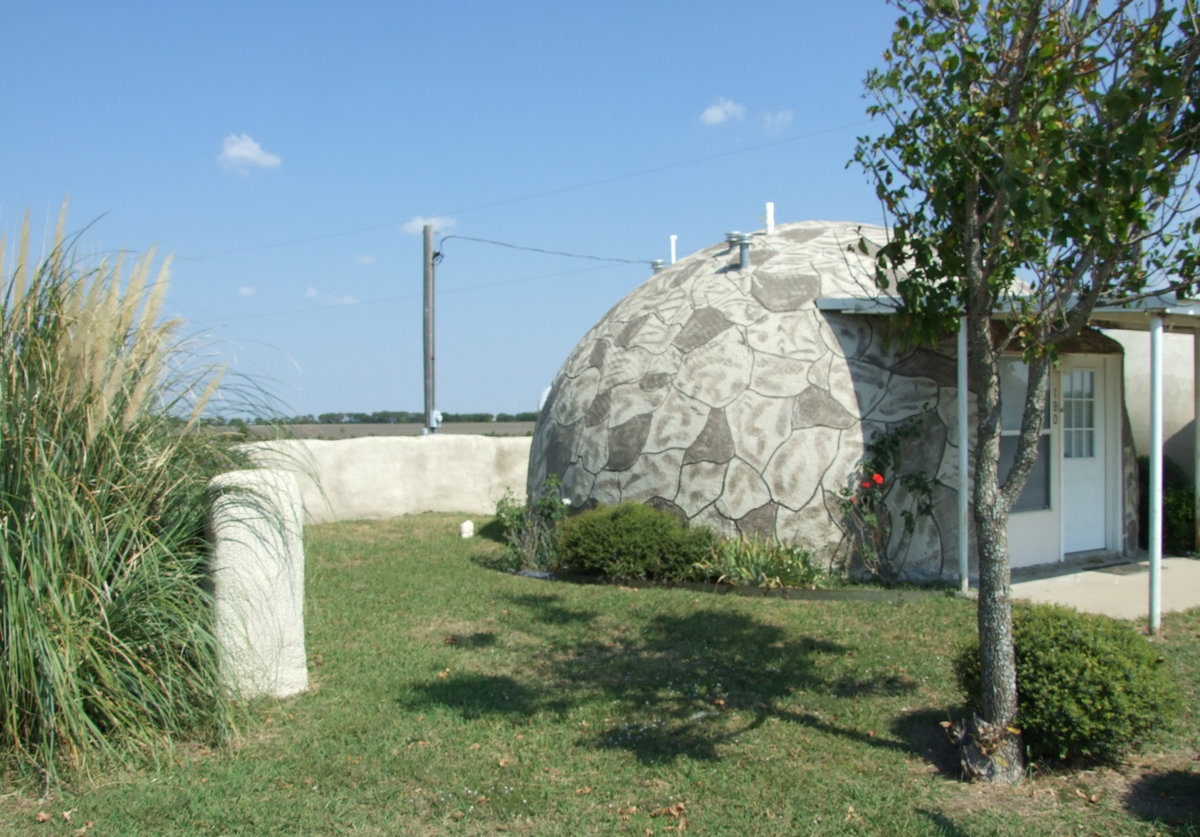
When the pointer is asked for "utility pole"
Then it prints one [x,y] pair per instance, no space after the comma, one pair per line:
[430,426]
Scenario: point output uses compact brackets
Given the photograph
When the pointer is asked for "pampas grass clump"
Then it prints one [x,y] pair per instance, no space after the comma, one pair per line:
[106,647]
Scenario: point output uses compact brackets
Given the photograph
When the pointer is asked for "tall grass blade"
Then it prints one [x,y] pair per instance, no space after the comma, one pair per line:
[106,635]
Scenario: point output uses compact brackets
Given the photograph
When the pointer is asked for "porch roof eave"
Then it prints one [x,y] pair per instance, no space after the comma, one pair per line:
[1177,314]
[1156,314]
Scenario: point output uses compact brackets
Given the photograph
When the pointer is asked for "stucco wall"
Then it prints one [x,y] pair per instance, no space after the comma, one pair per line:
[373,478]
[1178,401]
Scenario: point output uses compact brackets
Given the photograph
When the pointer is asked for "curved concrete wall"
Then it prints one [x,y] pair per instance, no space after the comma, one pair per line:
[372,478]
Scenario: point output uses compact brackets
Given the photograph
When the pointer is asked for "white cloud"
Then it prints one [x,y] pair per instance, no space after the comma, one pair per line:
[241,153]
[329,299]
[722,111]
[438,222]
[247,291]
[777,121]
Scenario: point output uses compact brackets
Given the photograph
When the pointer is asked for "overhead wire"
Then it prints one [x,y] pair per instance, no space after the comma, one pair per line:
[532,195]
[379,300]
[445,238]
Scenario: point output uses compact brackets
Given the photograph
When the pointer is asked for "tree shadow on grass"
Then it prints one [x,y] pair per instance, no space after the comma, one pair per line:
[1171,798]
[547,609]
[493,531]
[477,695]
[680,687]
[924,732]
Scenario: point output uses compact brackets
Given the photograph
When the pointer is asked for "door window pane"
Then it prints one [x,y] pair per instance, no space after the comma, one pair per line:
[1079,414]
[1035,496]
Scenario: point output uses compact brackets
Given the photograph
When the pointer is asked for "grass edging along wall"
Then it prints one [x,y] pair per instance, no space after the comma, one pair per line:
[825,594]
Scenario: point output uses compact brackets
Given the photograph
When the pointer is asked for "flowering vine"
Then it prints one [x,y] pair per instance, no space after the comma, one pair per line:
[866,503]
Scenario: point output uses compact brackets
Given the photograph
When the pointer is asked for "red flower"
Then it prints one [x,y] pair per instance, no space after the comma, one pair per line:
[866,485]
[878,479]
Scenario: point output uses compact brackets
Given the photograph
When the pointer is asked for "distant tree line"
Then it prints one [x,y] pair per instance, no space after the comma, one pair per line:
[380,417]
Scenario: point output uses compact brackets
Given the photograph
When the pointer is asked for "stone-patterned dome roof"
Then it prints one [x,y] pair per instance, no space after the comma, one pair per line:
[724,394]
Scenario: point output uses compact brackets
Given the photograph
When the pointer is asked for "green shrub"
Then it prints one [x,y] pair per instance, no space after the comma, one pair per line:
[632,541]
[754,562]
[106,642]
[1089,688]
[530,529]
[1178,521]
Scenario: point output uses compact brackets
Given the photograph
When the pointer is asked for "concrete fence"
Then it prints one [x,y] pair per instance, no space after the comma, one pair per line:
[256,525]
[379,477]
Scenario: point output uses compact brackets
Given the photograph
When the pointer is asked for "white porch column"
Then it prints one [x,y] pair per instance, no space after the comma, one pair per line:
[963,541]
[1154,537]
[1196,436]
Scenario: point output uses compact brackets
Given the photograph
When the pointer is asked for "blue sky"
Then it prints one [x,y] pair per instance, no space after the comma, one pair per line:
[287,153]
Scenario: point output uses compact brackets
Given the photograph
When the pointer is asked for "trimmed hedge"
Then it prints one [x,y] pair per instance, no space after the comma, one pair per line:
[1089,688]
[632,541]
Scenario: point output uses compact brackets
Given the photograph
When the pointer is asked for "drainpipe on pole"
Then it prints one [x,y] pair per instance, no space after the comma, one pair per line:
[430,426]
[1154,538]
[963,564]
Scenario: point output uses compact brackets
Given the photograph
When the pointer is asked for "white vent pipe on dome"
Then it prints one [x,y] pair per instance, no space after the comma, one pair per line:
[770,217]
[674,238]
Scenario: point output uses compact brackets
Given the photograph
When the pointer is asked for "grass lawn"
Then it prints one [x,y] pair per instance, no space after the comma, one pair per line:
[451,699]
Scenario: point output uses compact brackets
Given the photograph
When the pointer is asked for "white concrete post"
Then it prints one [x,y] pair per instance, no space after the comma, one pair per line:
[1154,538]
[256,525]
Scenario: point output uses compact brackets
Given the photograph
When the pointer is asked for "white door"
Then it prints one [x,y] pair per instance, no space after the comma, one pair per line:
[1084,493]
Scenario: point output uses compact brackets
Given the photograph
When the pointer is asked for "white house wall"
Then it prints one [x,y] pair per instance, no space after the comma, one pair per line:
[1178,394]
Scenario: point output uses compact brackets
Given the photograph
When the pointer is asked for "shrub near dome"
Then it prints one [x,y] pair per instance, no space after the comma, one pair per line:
[632,541]
[1089,688]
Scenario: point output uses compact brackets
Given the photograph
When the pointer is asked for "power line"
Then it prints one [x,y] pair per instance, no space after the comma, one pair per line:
[290,243]
[312,309]
[445,238]
[657,169]
[533,195]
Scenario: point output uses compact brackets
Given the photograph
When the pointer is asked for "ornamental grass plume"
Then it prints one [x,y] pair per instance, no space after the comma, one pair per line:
[106,643]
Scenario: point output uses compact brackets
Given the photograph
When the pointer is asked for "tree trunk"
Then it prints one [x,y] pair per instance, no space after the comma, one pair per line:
[991,749]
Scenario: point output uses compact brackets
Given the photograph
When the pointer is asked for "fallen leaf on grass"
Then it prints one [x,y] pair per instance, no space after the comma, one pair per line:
[505,762]
[584,791]
[444,673]
[675,810]
[42,816]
